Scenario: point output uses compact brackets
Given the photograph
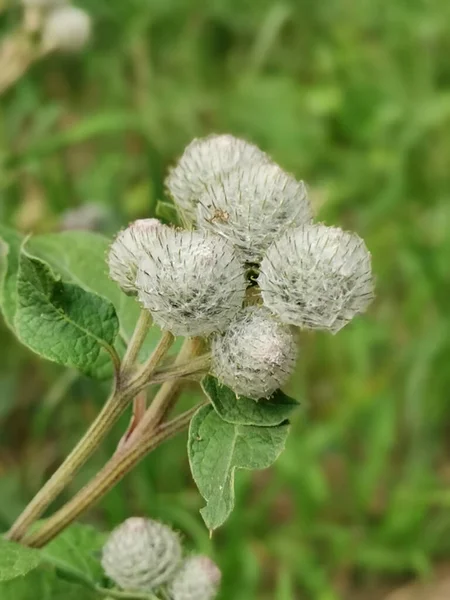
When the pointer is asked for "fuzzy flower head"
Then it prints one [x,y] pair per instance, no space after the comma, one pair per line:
[126,250]
[256,354]
[197,579]
[141,554]
[204,160]
[192,282]
[252,205]
[66,28]
[317,277]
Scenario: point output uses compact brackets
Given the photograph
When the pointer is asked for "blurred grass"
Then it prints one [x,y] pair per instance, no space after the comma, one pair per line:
[353,97]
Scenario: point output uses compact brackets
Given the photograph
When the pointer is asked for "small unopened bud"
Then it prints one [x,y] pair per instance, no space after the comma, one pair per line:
[126,251]
[256,355]
[202,161]
[192,282]
[252,205]
[317,277]
[197,579]
[141,554]
[66,28]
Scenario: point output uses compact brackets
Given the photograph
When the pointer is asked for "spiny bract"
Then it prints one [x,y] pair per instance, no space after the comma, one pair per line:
[126,250]
[202,161]
[141,554]
[256,354]
[192,282]
[252,205]
[317,277]
[197,579]
[66,28]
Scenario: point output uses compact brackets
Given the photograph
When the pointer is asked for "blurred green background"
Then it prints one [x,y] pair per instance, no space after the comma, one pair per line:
[353,96]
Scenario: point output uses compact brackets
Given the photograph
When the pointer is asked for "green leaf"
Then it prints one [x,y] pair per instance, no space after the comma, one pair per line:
[44,584]
[16,560]
[167,212]
[11,243]
[80,257]
[61,321]
[245,411]
[216,449]
[77,551]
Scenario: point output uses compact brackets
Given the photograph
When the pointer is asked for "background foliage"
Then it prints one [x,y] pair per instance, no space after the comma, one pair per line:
[353,97]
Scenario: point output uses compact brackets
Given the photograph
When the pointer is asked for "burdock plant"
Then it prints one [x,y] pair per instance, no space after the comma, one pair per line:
[248,271]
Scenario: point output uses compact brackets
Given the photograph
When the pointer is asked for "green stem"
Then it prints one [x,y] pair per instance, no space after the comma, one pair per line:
[192,367]
[109,414]
[121,463]
[167,394]
[115,358]
[144,374]
[138,338]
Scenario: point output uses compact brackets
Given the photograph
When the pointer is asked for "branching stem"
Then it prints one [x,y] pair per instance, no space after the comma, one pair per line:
[192,367]
[167,394]
[111,411]
[121,463]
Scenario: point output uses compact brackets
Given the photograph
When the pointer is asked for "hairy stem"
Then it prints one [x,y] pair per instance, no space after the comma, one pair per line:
[147,369]
[139,408]
[145,372]
[138,338]
[112,472]
[79,455]
[109,414]
[115,358]
[192,367]
[167,394]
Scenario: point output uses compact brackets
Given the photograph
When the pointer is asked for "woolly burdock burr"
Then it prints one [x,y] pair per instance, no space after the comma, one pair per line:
[317,277]
[197,579]
[256,355]
[202,161]
[252,205]
[192,282]
[126,250]
[141,554]
[66,28]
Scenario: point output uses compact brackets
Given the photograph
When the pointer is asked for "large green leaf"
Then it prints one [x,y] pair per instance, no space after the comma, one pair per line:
[80,257]
[16,560]
[216,449]
[44,584]
[11,243]
[245,411]
[77,551]
[62,321]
